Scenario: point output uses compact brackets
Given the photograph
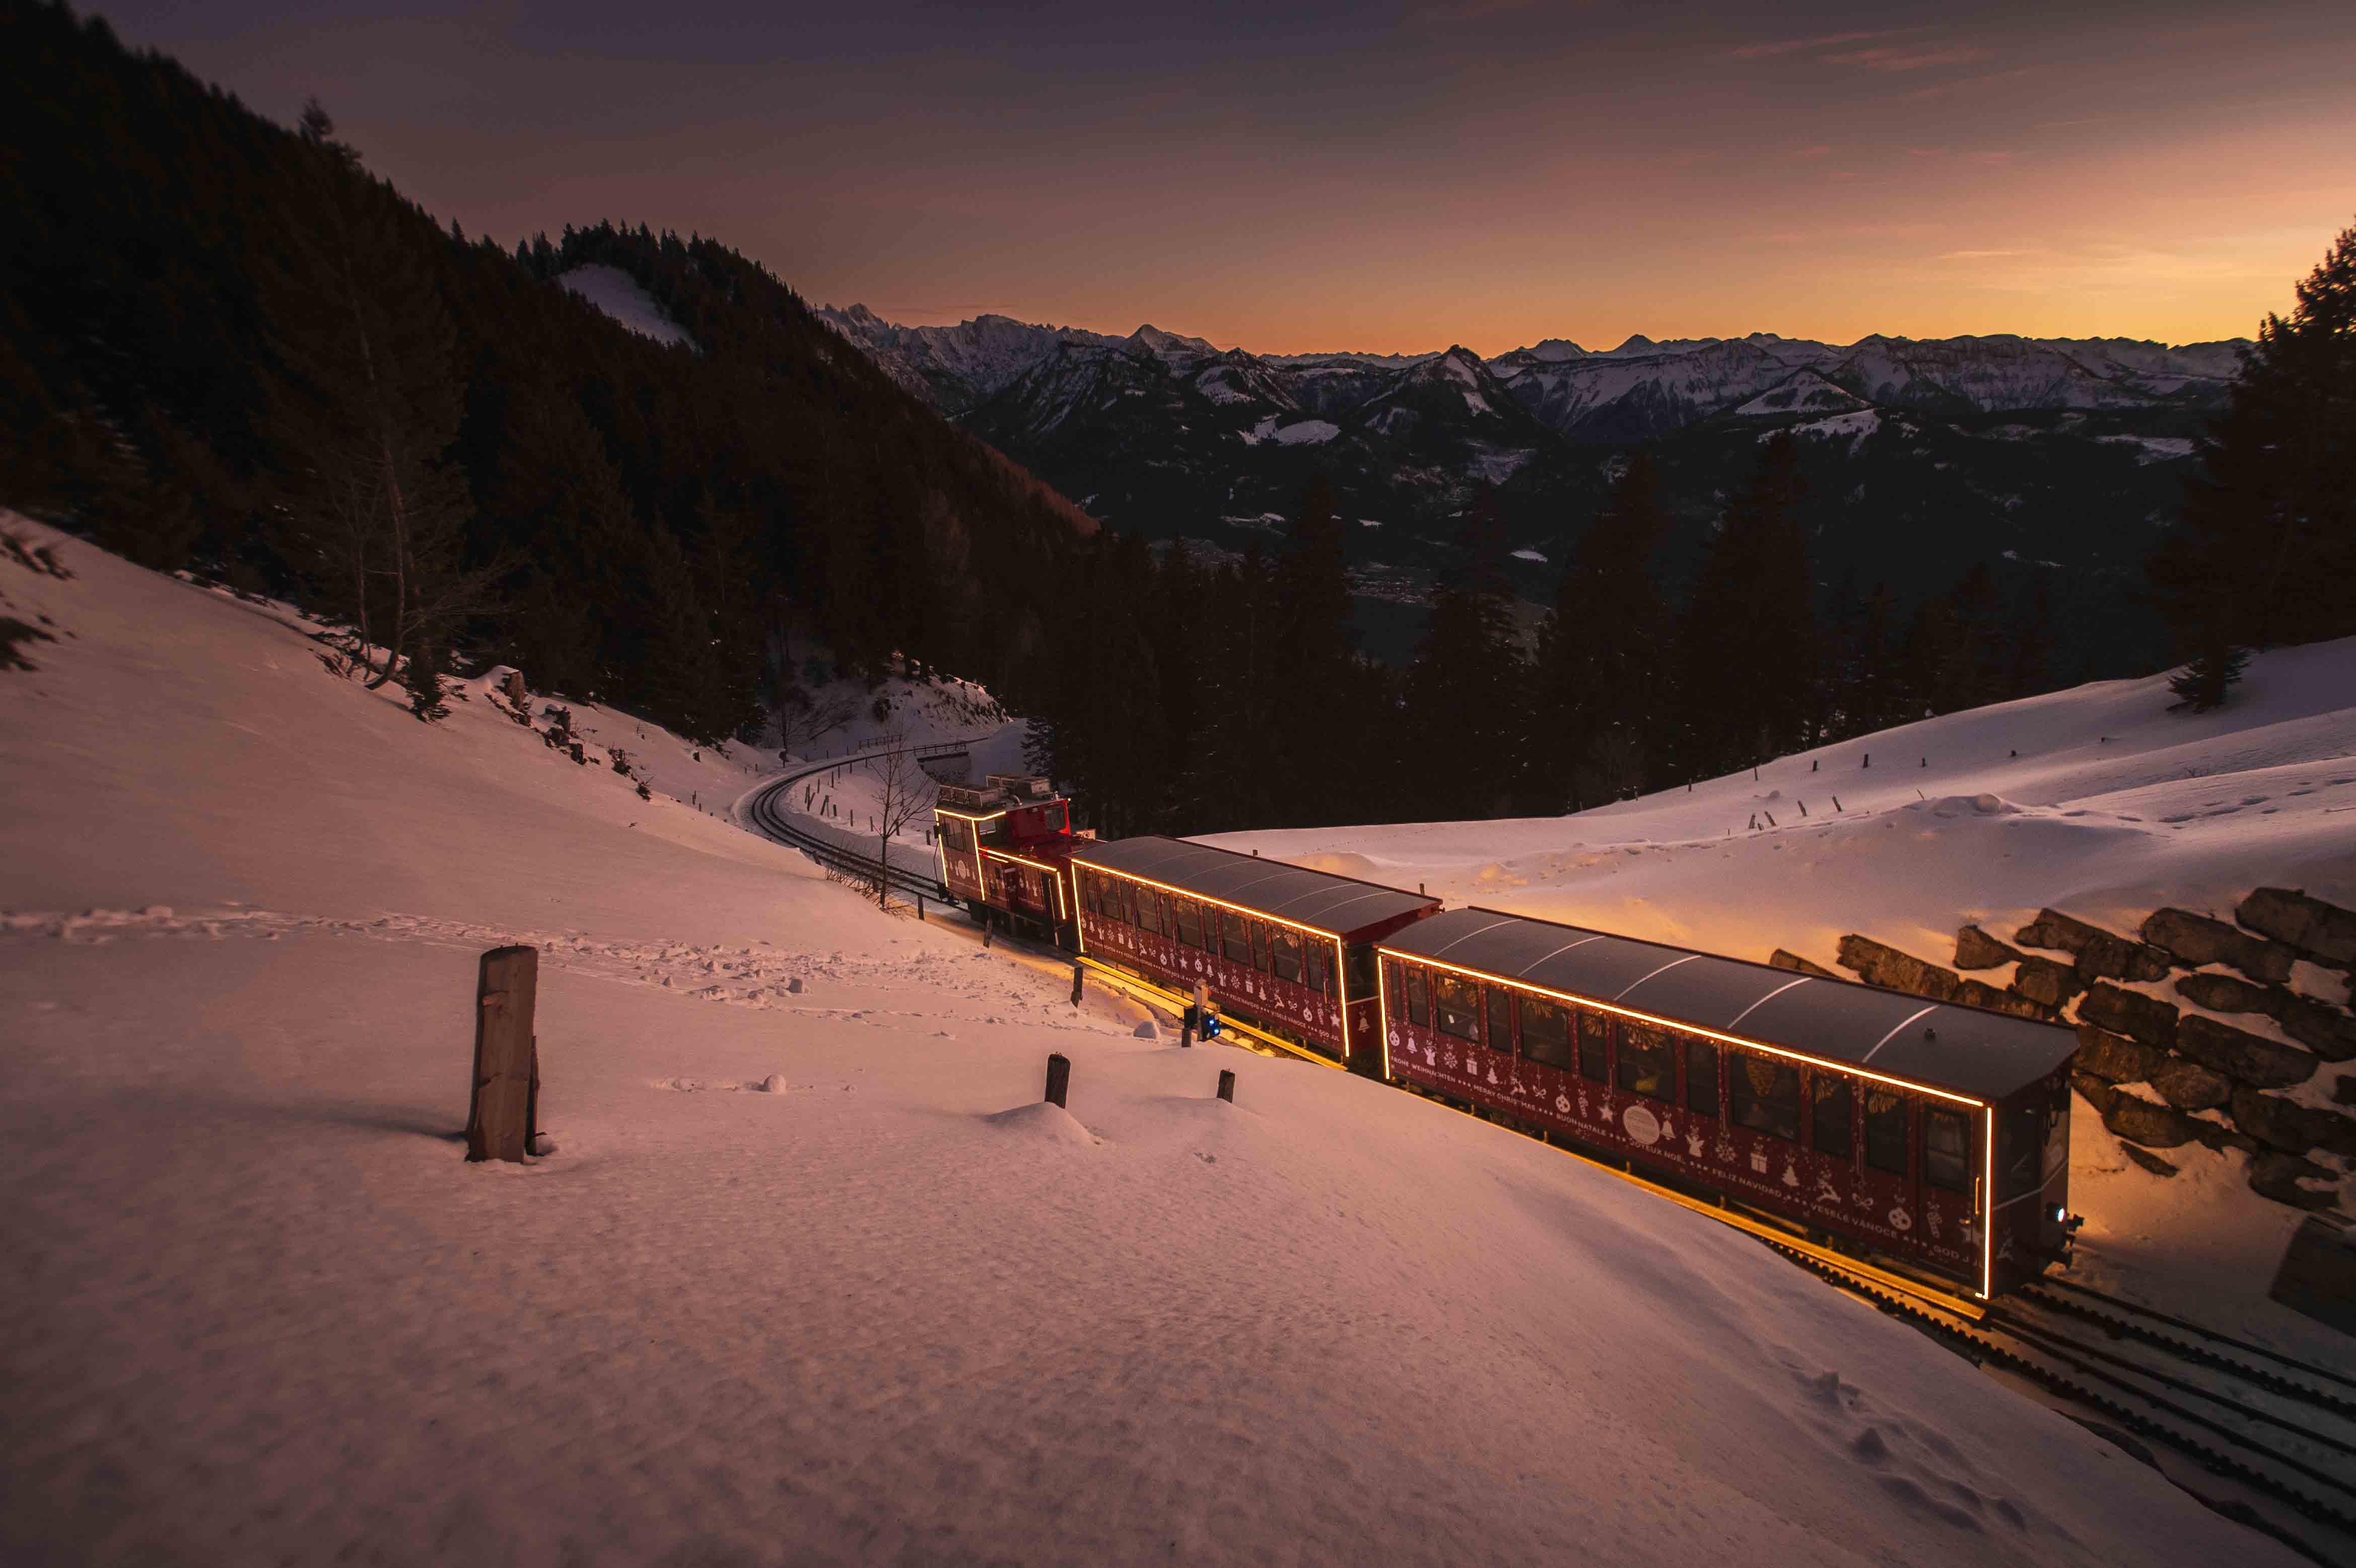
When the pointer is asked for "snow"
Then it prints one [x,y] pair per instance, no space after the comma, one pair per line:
[1301,433]
[899,1311]
[618,294]
[1497,465]
[2113,806]
[1530,555]
[1853,426]
[2153,448]
[1804,392]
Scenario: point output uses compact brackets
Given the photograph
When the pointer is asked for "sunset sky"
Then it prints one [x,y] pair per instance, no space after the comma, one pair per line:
[1377,175]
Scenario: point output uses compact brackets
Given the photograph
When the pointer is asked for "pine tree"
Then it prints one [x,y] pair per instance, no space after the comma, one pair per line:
[1314,750]
[367,407]
[1244,698]
[1465,702]
[421,675]
[1748,650]
[2265,551]
[1600,652]
[2213,672]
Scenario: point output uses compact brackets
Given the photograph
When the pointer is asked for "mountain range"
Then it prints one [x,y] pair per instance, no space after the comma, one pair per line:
[1640,390]
[1926,457]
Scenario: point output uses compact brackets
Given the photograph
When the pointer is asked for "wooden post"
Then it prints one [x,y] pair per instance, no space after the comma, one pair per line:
[1227,1086]
[500,1113]
[1076,973]
[1059,1079]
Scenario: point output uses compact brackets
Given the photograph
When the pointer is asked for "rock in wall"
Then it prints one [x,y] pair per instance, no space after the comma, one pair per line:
[2196,1068]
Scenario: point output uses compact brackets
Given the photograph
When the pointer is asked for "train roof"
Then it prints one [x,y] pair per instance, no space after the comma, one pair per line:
[1338,906]
[1967,1051]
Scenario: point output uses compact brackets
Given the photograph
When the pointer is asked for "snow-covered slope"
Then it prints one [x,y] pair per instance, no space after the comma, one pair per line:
[619,295]
[2098,799]
[260,1310]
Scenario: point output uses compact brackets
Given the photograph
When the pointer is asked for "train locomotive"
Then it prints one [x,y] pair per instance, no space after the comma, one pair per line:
[1930,1139]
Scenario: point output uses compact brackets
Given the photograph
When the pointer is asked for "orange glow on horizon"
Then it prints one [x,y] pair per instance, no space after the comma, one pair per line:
[1490,175]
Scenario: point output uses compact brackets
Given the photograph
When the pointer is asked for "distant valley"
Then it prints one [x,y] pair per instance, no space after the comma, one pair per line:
[2054,458]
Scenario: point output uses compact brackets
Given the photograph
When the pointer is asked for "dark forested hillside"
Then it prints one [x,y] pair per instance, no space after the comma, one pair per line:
[224,345]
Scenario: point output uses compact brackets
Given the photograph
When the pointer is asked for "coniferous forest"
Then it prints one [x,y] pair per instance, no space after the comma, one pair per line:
[226,348]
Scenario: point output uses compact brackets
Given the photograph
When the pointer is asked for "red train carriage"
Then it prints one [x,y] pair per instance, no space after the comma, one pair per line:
[1289,950]
[1004,846]
[1934,1136]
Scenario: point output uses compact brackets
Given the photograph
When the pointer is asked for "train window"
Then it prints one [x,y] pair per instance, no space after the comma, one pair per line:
[2020,1147]
[1500,1019]
[1885,1131]
[1316,965]
[1947,1150]
[1592,1057]
[1190,920]
[1236,942]
[1456,1005]
[1831,1101]
[1287,944]
[1546,1034]
[1393,986]
[1092,894]
[1648,1065]
[1264,945]
[1701,1077]
[1764,1095]
[1418,1001]
[1149,911]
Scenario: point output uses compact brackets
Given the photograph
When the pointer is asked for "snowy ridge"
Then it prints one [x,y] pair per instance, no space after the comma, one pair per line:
[620,296]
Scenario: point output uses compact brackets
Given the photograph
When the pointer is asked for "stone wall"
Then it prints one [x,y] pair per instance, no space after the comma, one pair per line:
[2159,1076]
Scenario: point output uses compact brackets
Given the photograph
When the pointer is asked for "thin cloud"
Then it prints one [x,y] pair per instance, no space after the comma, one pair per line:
[1468,11]
[1947,88]
[1793,46]
[1922,59]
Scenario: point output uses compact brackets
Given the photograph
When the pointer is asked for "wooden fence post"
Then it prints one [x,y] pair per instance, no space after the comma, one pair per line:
[1076,973]
[1227,1086]
[503,1105]
[1059,1079]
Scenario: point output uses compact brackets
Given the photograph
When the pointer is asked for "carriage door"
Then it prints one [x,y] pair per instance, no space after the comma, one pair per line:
[1890,1181]
[1362,1020]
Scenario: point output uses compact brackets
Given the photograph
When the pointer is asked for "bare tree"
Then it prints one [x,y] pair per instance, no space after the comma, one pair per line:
[803,719]
[907,792]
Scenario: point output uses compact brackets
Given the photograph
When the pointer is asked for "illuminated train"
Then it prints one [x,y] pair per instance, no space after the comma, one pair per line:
[1929,1138]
